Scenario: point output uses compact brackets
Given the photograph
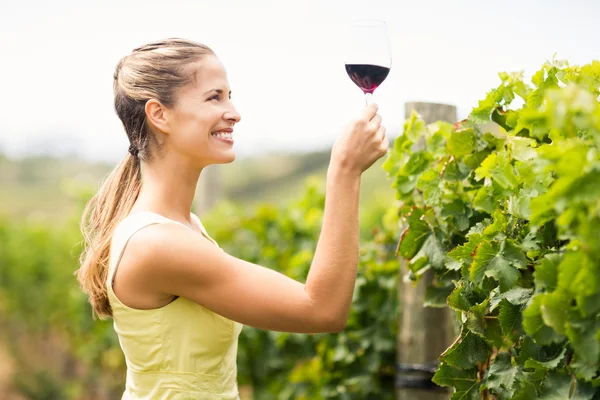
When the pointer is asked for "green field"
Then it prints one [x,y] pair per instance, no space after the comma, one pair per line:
[47,188]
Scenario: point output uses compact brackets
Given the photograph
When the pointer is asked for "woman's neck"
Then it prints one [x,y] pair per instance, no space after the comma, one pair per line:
[168,189]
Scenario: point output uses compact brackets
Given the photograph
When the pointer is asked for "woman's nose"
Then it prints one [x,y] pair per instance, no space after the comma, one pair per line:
[232,115]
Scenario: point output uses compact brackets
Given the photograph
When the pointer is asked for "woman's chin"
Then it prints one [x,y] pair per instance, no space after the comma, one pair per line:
[221,157]
[225,158]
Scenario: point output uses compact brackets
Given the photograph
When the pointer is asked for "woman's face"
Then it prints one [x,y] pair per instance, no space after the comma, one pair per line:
[202,120]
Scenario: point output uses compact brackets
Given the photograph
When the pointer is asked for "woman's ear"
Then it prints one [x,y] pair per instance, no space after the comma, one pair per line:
[157,115]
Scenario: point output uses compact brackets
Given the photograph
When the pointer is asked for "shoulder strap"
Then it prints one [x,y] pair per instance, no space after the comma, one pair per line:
[203,229]
[124,231]
[129,226]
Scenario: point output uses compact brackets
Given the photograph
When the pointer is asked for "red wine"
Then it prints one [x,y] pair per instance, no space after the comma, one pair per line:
[366,76]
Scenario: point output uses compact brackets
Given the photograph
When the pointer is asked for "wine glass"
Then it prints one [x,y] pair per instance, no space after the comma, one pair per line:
[368,56]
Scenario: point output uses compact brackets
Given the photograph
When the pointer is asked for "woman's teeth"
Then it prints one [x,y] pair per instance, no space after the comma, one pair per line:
[223,135]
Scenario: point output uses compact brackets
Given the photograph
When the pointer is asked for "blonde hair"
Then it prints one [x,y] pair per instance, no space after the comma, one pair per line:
[154,71]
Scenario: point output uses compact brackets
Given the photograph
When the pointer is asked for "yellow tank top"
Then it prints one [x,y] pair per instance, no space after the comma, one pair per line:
[179,351]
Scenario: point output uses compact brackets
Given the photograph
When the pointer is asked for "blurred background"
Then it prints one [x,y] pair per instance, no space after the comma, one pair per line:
[59,137]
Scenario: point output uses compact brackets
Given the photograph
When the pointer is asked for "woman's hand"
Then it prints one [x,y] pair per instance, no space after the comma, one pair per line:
[362,143]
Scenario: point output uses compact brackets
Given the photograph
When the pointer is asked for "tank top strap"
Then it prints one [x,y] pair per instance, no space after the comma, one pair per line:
[203,229]
[125,230]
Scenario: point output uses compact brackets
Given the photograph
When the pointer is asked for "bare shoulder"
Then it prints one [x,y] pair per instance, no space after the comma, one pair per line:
[166,260]
[157,257]
[162,249]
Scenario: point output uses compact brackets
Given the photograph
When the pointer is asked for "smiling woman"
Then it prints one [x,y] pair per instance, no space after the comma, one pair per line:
[177,300]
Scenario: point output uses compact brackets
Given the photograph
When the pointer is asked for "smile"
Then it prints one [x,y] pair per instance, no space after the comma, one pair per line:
[226,137]
[223,135]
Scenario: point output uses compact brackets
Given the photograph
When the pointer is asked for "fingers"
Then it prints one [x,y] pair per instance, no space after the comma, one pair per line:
[370,111]
[381,133]
[375,122]
[385,144]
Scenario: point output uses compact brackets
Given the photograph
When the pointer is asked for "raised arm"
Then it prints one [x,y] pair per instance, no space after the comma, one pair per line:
[170,259]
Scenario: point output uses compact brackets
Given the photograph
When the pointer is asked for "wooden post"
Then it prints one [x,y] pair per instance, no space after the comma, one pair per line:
[424,333]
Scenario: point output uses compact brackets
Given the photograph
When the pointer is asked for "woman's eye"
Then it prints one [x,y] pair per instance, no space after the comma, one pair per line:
[215,97]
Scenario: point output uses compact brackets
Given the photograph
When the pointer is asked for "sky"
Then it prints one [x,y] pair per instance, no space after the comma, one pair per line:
[284,59]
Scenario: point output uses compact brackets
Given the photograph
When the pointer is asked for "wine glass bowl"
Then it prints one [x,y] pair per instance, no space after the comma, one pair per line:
[368,55]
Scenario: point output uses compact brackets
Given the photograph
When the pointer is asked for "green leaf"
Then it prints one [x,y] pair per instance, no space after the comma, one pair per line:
[393,160]
[537,356]
[553,362]
[546,273]
[534,371]
[402,143]
[580,276]
[485,107]
[474,160]
[460,379]
[466,352]
[497,167]
[487,165]
[583,370]
[534,325]
[502,376]
[522,149]
[504,175]
[490,262]
[439,133]
[514,254]
[538,78]
[584,334]
[458,212]
[436,296]
[414,127]
[493,333]
[432,187]
[434,250]
[464,253]
[417,163]
[526,391]
[465,296]
[517,296]
[415,235]
[485,200]
[511,319]
[476,318]
[418,265]
[461,142]
[457,171]
[535,176]
[554,309]
[527,349]
[472,393]
[489,198]
[499,224]
[543,207]
[556,386]
[495,140]
[559,386]
[584,391]
[519,204]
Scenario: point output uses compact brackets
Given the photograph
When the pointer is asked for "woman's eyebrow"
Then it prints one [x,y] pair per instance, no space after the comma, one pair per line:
[219,91]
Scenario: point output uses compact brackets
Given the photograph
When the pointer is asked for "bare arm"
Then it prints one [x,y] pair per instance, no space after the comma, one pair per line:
[170,259]
[330,281]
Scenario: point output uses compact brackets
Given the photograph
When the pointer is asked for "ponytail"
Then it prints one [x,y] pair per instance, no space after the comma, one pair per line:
[104,211]
[152,71]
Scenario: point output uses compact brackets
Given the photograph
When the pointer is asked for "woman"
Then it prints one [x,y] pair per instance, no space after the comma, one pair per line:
[177,300]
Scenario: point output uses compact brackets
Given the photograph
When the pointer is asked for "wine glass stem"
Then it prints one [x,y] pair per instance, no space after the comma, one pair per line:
[368,98]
